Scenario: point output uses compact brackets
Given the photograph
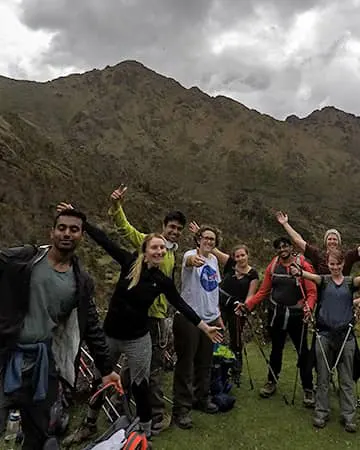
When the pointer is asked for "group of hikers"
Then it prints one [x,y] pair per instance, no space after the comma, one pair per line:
[47,310]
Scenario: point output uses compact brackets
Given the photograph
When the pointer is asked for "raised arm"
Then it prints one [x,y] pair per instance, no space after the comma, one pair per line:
[221,256]
[123,257]
[296,237]
[128,231]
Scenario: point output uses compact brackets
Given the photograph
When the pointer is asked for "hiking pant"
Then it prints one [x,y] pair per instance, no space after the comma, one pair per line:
[193,366]
[157,331]
[138,353]
[345,376]
[35,415]
[278,339]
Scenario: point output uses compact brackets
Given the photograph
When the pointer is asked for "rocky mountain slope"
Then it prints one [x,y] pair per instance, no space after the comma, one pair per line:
[78,137]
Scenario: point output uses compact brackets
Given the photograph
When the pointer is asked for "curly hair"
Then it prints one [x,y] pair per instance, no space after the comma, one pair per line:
[212,228]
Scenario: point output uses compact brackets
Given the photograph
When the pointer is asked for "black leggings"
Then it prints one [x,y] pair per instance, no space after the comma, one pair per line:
[141,393]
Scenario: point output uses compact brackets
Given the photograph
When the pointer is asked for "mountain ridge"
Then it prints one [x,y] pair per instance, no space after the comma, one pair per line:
[213,157]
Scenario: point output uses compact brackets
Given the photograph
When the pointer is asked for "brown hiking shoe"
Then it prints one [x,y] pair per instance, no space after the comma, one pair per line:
[83,433]
[160,425]
[268,390]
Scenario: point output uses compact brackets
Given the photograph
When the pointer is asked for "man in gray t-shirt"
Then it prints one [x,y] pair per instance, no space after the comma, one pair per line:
[52,298]
[46,311]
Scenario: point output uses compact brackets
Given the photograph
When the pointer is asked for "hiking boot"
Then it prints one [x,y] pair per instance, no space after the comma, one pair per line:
[319,422]
[206,406]
[268,390]
[83,433]
[159,424]
[182,421]
[349,426]
[309,398]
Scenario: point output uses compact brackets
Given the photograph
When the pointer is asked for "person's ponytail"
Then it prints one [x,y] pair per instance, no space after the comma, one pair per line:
[135,271]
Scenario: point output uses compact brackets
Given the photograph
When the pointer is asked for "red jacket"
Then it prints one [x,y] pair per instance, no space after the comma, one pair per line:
[309,288]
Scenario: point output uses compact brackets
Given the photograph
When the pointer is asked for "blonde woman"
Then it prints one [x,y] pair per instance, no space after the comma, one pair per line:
[126,323]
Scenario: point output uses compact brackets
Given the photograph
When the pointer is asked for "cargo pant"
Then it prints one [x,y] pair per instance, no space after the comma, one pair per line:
[193,367]
[345,375]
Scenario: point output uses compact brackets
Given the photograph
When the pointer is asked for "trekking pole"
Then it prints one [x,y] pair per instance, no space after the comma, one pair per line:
[248,368]
[239,330]
[238,351]
[265,357]
[342,347]
[298,363]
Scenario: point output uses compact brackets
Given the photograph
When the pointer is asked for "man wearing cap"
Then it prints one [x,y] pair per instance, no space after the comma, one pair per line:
[288,297]
[317,256]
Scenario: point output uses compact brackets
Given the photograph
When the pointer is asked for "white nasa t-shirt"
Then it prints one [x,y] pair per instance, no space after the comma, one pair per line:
[200,287]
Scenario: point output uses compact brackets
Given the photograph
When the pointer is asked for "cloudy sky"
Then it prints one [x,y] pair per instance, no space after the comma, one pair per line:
[277,56]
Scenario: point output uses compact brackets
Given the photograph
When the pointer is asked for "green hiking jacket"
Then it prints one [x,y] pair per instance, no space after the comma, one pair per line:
[160,306]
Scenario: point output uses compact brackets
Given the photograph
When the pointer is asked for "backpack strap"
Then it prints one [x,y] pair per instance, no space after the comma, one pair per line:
[273,265]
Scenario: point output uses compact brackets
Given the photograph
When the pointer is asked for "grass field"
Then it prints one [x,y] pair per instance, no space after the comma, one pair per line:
[255,423]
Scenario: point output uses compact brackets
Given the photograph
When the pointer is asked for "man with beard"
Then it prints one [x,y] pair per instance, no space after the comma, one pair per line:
[46,310]
[288,298]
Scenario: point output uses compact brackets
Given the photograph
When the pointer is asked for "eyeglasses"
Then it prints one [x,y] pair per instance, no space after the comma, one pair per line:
[208,238]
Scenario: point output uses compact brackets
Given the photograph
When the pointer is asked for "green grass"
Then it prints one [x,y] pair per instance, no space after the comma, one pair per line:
[254,423]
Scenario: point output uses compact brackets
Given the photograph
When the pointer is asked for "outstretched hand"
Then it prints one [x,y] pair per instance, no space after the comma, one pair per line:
[241,309]
[198,260]
[117,196]
[194,227]
[62,206]
[282,217]
[215,334]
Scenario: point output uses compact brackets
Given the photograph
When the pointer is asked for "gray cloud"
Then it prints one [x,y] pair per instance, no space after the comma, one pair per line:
[265,62]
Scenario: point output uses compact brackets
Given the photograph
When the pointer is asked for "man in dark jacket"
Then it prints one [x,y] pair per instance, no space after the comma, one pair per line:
[46,311]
